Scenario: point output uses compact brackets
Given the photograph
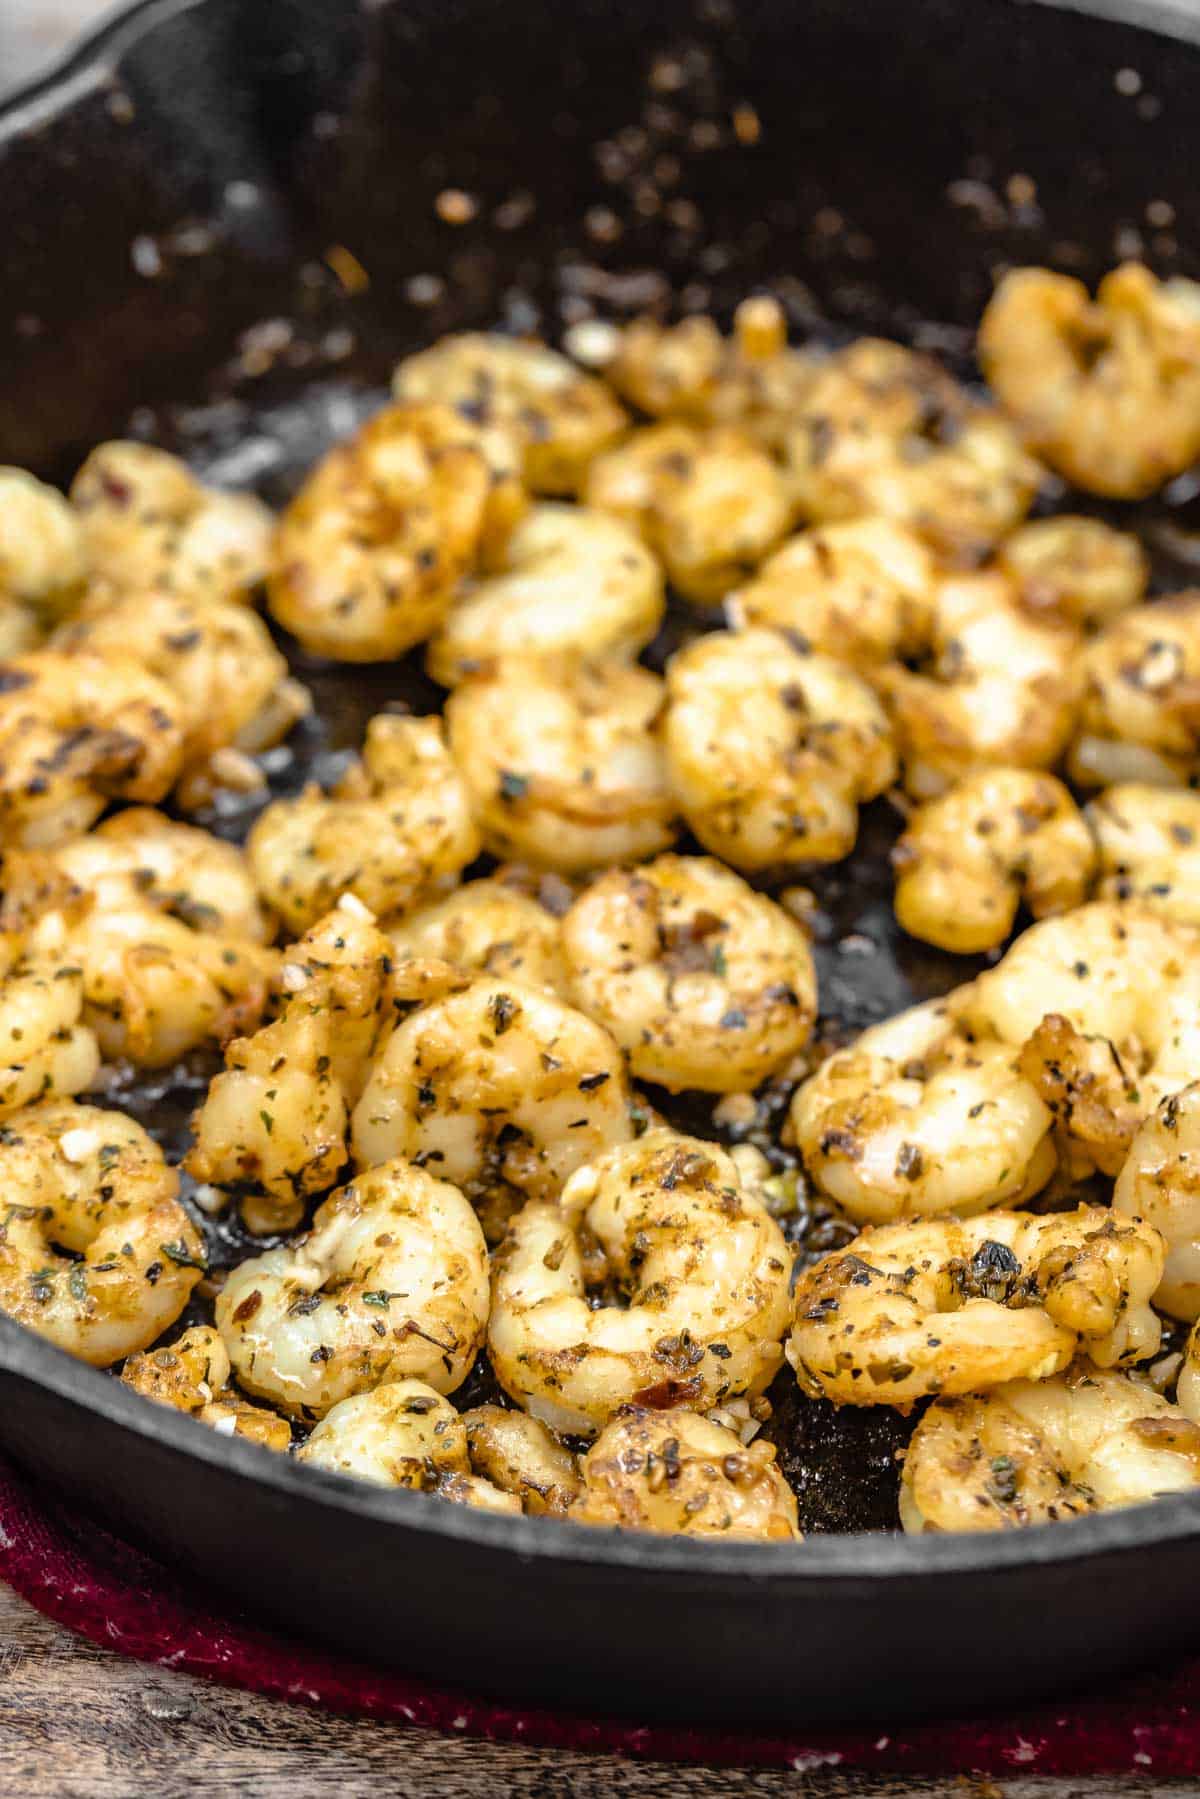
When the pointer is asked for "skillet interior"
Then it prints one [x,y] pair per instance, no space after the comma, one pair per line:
[212,155]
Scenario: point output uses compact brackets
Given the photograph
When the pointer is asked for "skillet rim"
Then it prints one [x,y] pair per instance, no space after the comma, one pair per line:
[839,1559]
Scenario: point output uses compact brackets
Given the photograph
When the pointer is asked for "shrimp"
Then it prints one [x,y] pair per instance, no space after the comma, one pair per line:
[570,581]
[403,1434]
[275,1119]
[45,1046]
[770,750]
[1106,390]
[42,561]
[1159,1183]
[1074,571]
[499,1087]
[859,591]
[1037,1451]
[230,682]
[676,1472]
[704,1266]
[391,1283]
[395,828]
[75,732]
[915,1119]
[1106,1004]
[1141,703]
[688,371]
[968,859]
[560,419]
[953,1306]
[96,1252]
[193,1375]
[521,1456]
[148,523]
[710,503]
[998,688]
[1148,843]
[371,552]
[703,982]
[488,927]
[162,971]
[883,431]
[564,763]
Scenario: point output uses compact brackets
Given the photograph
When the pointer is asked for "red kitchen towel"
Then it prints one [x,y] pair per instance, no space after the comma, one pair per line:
[114,1595]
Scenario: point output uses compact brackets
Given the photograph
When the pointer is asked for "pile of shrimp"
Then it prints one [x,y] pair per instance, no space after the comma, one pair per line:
[442,1004]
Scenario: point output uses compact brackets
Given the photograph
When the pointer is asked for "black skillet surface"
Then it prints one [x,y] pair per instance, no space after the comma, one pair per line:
[221,225]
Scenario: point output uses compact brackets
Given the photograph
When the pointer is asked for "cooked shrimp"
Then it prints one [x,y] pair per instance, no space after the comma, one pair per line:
[916,1119]
[688,371]
[676,1472]
[75,732]
[1036,1451]
[860,591]
[371,552]
[569,581]
[771,751]
[710,503]
[230,682]
[564,762]
[42,563]
[1074,571]
[193,1375]
[488,927]
[403,1434]
[45,1047]
[276,1118]
[396,826]
[1148,841]
[704,1266]
[885,431]
[149,524]
[96,1251]
[1159,1183]
[703,982]
[1107,390]
[499,1087]
[559,418]
[950,1306]
[1106,1002]
[520,1455]
[968,859]
[391,1283]
[1141,704]
[999,688]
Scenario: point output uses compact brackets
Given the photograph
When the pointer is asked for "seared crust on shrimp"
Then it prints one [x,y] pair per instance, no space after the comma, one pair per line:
[42,563]
[559,418]
[370,553]
[1141,703]
[770,750]
[710,503]
[1107,390]
[676,1472]
[96,1252]
[1036,1451]
[1074,571]
[968,859]
[570,581]
[705,1271]
[403,1434]
[45,1046]
[885,431]
[193,1375]
[564,763]
[390,1283]
[950,1306]
[1159,1183]
[75,732]
[520,1455]
[148,524]
[1148,842]
[488,927]
[396,826]
[915,1118]
[703,982]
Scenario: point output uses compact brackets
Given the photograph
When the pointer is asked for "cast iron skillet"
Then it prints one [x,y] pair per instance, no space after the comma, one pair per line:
[169,202]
